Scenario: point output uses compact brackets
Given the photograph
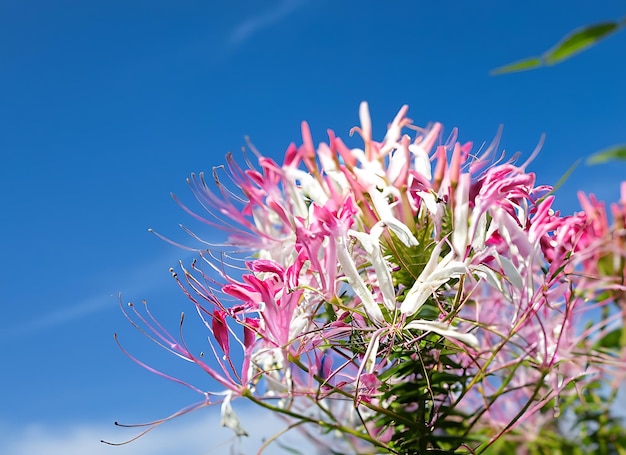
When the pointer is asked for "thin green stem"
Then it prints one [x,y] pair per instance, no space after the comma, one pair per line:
[339,391]
[512,422]
[328,425]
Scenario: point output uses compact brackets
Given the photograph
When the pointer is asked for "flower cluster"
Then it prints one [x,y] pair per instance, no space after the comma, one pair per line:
[408,295]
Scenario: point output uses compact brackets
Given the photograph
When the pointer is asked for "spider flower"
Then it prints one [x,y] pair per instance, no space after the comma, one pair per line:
[431,289]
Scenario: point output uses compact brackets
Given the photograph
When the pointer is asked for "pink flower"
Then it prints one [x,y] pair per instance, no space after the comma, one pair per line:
[399,263]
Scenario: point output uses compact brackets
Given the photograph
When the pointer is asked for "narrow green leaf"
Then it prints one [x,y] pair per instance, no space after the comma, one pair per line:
[522,65]
[611,340]
[617,152]
[579,40]
[565,176]
[561,181]
[571,44]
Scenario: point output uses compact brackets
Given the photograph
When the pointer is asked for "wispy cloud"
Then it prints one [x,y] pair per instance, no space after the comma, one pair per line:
[255,24]
[143,280]
[60,316]
[190,435]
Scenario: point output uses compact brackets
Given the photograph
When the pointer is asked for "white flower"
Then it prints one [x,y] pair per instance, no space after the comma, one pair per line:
[371,244]
[435,274]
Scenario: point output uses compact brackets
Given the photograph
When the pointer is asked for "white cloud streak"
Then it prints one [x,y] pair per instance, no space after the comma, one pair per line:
[58,317]
[189,435]
[151,278]
[252,25]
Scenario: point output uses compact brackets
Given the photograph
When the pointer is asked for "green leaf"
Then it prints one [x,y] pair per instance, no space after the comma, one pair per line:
[611,340]
[616,152]
[571,44]
[521,65]
[558,184]
[579,40]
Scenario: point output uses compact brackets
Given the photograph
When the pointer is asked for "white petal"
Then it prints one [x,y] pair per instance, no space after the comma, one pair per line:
[402,231]
[443,330]
[371,244]
[435,274]
[230,419]
[309,186]
[490,275]
[422,161]
[430,200]
[371,354]
[511,272]
[354,279]
[461,215]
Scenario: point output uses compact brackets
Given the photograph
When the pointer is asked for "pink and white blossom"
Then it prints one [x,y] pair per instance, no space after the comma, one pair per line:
[356,260]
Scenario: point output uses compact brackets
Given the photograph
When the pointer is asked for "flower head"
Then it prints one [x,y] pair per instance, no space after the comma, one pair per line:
[407,265]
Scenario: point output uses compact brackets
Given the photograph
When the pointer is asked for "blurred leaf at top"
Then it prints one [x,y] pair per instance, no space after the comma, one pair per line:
[521,65]
[573,43]
[612,153]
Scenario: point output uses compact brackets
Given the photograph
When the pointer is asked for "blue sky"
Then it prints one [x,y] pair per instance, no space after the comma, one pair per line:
[107,106]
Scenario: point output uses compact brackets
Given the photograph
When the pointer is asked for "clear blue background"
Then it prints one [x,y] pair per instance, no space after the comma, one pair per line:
[107,106]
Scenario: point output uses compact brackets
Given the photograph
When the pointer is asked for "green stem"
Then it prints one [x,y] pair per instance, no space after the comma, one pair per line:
[371,406]
[538,387]
[328,425]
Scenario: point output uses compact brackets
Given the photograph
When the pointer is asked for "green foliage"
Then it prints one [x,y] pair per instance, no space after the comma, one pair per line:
[420,397]
[571,44]
[611,340]
[580,40]
[588,427]
[410,261]
[615,152]
[560,183]
[521,65]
